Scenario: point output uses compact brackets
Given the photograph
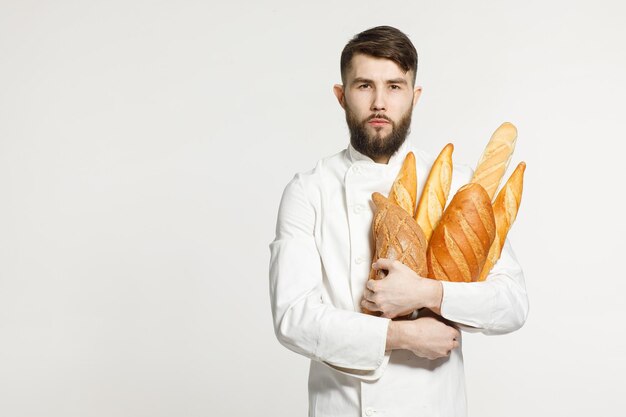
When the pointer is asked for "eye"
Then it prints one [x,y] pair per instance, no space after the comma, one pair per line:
[395,87]
[363,86]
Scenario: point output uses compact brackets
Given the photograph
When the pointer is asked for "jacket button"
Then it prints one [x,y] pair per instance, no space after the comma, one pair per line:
[356,169]
[358,208]
[369,411]
[359,260]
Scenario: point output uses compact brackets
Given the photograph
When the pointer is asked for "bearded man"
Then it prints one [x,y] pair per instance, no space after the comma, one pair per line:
[363,365]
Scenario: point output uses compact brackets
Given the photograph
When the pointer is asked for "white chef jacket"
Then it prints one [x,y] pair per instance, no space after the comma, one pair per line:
[319,265]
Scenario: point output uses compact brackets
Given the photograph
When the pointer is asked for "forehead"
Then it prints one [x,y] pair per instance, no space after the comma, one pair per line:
[372,68]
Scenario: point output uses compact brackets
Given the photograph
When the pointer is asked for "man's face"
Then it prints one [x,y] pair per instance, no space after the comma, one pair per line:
[378,98]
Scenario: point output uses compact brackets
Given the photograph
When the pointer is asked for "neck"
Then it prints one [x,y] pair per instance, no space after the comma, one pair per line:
[382,160]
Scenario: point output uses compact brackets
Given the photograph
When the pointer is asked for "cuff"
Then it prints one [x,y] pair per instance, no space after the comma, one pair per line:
[462,303]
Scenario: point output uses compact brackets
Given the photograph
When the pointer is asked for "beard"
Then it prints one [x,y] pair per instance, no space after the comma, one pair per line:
[376,145]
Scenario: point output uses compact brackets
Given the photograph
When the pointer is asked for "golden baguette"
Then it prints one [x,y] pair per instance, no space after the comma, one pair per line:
[505,211]
[460,243]
[435,192]
[404,189]
[495,158]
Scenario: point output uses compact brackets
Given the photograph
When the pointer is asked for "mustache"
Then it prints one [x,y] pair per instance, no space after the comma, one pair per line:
[378,116]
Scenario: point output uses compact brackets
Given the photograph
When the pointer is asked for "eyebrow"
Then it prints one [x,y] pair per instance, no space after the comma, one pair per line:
[361,80]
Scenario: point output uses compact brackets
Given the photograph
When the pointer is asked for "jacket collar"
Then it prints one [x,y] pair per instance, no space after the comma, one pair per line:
[396,159]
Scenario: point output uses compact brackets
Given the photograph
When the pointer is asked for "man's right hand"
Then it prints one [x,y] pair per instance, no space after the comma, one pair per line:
[427,337]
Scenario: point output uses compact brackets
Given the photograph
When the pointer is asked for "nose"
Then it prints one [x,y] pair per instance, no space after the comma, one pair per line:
[379,100]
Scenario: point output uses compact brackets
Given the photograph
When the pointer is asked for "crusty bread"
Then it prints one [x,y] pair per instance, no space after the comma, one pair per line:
[495,159]
[505,211]
[396,236]
[435,192]
[404,189]
[459,245]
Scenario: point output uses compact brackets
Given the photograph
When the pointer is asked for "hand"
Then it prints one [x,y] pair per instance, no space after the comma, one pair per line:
[427,337]
[401,292]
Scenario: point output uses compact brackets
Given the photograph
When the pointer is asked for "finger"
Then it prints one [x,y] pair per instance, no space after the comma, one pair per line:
[371,286]
[368,294]
[383,263]
[369,305]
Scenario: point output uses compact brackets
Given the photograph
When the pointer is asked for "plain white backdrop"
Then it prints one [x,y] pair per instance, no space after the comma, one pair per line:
[144,147]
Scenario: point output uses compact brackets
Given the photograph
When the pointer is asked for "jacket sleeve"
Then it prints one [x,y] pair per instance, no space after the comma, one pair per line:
[348,341]
[497,305]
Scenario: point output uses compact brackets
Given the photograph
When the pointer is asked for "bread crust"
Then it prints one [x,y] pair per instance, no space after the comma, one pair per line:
[505,210]
[404,188]
[396,236]
[458,248]
[435,193]
[495,158]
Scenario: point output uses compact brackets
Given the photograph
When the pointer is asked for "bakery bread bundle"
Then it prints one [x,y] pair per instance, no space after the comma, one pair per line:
[458,242]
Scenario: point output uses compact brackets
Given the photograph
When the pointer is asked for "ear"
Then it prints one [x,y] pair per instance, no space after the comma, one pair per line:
[416,94]
[338,90]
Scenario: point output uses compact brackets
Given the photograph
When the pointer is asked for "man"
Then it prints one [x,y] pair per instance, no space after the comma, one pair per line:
[363,365]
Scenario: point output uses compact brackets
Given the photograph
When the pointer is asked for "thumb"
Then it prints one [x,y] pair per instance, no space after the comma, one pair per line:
[383,263]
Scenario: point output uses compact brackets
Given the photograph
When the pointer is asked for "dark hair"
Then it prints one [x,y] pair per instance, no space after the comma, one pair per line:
[381,42]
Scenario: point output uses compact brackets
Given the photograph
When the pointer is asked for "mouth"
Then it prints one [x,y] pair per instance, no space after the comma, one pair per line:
[378,122]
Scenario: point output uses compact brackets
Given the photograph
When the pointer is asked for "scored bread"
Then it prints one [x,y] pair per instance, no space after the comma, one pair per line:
[505,210]
[435,192]
[459,245]
[404,189]
[495,158]
[396,236]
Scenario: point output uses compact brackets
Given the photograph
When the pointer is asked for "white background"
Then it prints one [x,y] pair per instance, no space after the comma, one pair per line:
[144,147]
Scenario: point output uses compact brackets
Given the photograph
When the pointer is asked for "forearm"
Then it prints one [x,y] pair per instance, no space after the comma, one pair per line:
[324,333]
[394,337]
[310,327]
[428,337]
[493,307]
[434,296]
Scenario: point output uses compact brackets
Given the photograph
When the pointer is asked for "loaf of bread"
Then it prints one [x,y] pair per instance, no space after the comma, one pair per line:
[466,237]
[458,248]
[435,192]
[404,189]
[495,158]
[505,211]
[397,236]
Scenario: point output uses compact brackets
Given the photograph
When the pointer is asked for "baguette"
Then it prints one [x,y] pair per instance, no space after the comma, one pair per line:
[404,189]
[435,192]
[505,210]
[495,158]
[459,245]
